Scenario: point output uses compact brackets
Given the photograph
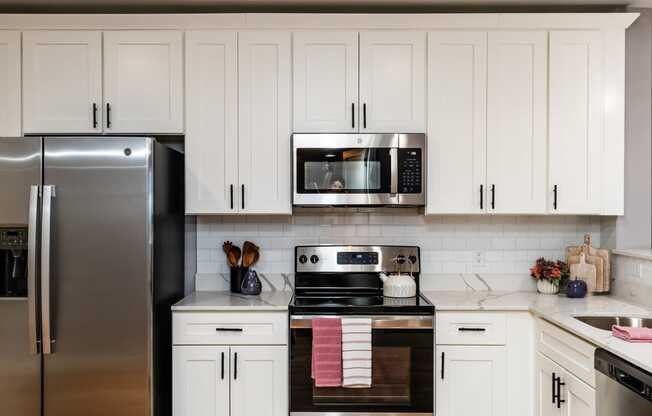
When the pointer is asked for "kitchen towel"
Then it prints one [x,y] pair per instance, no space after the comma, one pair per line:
[631,334]
[326,366]
[356,352]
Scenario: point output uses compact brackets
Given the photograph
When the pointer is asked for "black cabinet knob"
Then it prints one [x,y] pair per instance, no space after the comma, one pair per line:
[412,259]
[303,259]
[314,259]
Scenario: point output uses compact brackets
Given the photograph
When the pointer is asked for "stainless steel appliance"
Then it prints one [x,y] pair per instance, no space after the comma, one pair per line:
[100,222]
[622,388]
[332,281]
[359,169]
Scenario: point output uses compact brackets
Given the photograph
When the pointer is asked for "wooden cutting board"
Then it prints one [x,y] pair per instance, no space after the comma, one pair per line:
[600,258]
[584,271]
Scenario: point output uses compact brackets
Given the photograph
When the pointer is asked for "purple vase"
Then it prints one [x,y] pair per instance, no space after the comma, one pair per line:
[251,284]
[576,289]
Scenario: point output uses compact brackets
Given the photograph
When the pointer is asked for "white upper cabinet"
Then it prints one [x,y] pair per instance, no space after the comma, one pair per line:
[516,122]
[264,65]
[457,73]
[575,122]
[393,81]
[10,123]
[211,141]
[325,81]
[62,82]
[143,81]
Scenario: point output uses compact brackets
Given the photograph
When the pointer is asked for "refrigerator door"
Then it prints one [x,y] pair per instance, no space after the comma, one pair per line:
[99,276]
[20,365]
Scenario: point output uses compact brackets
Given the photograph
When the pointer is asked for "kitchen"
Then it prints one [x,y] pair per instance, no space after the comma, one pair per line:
[313,209]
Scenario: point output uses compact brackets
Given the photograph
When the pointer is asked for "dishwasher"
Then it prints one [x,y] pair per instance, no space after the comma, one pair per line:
[622,388]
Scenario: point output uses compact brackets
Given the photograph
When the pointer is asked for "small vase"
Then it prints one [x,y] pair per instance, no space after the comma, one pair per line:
[544,286]
[576,289]
[251,284]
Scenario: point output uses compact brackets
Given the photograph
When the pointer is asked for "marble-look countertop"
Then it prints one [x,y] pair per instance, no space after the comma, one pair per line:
[227,301]
[558,310]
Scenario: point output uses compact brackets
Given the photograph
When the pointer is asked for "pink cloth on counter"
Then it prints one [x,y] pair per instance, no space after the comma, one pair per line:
[631,334]
[326,367]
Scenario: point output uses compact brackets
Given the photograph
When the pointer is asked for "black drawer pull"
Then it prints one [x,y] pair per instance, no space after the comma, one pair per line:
[472,329]
[229,329]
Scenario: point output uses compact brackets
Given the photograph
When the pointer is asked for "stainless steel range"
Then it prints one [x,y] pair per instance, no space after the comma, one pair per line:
[343,281]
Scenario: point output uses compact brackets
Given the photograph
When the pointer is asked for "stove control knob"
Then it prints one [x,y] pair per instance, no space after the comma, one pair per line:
[314,259]
[412,259]
[303,259]
[400,259]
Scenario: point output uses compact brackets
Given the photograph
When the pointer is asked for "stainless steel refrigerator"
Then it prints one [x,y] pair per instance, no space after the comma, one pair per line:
[100,224]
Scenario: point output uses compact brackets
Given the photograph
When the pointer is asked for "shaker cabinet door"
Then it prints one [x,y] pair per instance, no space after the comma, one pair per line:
[62,82]
[580,398]
[200,381]
[259,381]
[575,122]
[264,64]
[516,122]
[143,80]
[211,141]
[462,379]
[393,82]
[10,109]
[457,91]
[325,81]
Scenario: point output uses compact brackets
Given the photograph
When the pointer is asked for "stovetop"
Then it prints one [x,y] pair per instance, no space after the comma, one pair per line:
[351,304]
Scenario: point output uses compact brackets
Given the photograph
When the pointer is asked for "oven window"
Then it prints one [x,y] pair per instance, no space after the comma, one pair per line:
[343,170]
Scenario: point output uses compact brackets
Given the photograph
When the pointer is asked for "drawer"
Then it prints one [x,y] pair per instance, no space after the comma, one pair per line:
[229,328]
[573,353]
[470,328]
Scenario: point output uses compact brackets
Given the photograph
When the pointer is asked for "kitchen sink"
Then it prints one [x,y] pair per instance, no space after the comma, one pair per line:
[605,322]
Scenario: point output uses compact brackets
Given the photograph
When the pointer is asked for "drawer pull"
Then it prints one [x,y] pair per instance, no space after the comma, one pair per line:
[472,329]
[229,329]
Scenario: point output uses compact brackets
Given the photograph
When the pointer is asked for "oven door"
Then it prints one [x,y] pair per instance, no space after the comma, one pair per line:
[402,371]
[346,169]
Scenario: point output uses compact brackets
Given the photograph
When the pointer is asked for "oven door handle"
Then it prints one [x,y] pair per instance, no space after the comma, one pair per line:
[393,161]
[377,322]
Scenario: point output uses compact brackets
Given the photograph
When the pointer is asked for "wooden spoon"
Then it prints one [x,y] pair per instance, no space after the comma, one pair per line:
[251,254]
[232,253]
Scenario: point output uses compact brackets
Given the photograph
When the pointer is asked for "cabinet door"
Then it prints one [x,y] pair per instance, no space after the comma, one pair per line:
[211,145]
[259,385]
[143,80]
[325,81]
[457,88]
[10,84]
[576,109]
[200,381]
[462,379]
[516,122]
[580,398]
[264,122]
[62,82]
[545,368]
[393,81]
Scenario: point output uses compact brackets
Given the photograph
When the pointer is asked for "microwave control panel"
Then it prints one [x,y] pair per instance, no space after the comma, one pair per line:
[410,170]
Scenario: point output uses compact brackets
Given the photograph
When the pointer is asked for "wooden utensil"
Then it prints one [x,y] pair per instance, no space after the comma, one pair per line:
[584,271]
[251,254]
[233,253]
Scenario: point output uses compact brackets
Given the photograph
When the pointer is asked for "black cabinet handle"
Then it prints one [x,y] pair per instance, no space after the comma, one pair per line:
[94,115]
[481,196]
[559,399]
[472,329]
[554,380]
[243,198]
[222,365]
[554,202]
[493,196]
[228,329]
[352,115]
[443,363]
[108,115]
[364,115]
[235,366]
[231,196]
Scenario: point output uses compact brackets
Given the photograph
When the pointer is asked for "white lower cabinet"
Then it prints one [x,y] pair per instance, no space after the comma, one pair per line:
[463,375]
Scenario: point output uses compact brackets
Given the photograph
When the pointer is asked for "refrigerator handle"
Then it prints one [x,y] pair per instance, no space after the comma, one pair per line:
[32,238]
[46,227]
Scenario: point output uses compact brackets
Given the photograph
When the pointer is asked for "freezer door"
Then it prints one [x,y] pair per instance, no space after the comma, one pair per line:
[20,365]
[99,276]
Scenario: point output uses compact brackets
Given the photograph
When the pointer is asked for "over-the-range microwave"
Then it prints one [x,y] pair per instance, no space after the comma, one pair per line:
[359,169]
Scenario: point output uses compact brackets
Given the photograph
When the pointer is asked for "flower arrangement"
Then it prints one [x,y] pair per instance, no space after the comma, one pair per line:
[554,272]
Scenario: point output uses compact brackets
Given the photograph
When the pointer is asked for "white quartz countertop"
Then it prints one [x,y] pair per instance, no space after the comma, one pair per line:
[227,301]
[558,310]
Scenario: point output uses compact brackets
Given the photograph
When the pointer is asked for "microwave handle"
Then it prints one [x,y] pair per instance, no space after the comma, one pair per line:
[393,160]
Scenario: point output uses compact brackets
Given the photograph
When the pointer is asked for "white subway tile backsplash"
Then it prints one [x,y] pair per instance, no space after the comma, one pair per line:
[508,245]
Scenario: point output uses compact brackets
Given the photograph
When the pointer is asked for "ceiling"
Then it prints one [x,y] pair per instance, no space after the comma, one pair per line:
[181,6]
